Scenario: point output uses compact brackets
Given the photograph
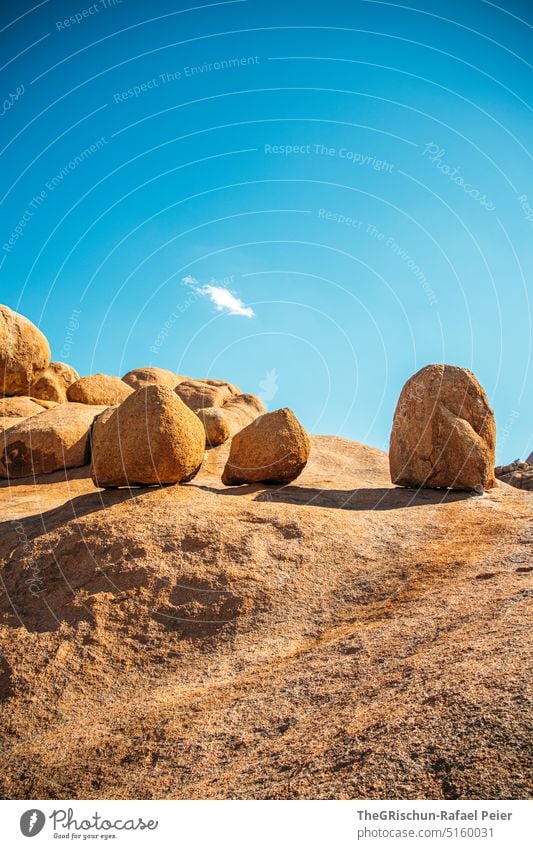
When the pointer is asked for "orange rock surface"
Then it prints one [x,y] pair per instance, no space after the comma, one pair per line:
[335,638]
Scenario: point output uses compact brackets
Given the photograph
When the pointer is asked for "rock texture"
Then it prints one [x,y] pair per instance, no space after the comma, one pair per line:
[99,389]
[20,406]
[443,433]
[9,421]
[221,422]
[24,353]
[199,394]
[516,474]
[242,409]
[216,425]
[336,638]
[138,378]
[52,385]
[151,438]
[54,439]
[274,448]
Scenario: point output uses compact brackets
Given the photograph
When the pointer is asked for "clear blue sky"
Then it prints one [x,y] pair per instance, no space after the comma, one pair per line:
[345,188]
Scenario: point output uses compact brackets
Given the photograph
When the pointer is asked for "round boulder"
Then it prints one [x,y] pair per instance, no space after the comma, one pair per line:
[199,394]
[221,422]
[216,425]
[151,438]
[24,353]
[54,382]
[102,389]
[137,378]
[272,449]
[443,433]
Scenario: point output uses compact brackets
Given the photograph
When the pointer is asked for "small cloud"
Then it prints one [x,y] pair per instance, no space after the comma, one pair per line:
[221,297]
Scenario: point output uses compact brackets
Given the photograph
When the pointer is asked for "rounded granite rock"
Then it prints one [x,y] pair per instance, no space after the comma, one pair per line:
[443,433]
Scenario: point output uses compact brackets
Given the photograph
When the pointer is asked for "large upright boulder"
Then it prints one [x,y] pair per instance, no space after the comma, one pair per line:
[54,439]
[24,353]
[137,378]
[200,394]
[443,433]
[53,383]
[99,389]
[272,449]
[221,422]
[151,438]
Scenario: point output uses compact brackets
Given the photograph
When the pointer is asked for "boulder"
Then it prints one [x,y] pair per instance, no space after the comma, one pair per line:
[151,438]
[443,433]
[221,422]
[54,382]
[55,439]
[272,449]
[242,409]
[137,378]
[99,389]
[24,353]
[215,424]
[199,394]
[20,406]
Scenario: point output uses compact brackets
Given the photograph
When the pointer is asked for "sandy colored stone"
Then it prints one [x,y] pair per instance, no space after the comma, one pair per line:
[443,433]
[52,385]
[221,422]
[274,448]
[516,474]
[216,425]
[54,439]
[137,378]
[337,638]
[43,403]
[10,421]
[99,389]
[199,394]
[24,353]
[20,406]
[151,438]
[242,409]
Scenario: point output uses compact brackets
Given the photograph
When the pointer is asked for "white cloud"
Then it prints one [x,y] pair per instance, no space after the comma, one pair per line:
[221,297]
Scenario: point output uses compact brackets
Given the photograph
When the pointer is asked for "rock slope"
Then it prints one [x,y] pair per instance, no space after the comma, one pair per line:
[334,638]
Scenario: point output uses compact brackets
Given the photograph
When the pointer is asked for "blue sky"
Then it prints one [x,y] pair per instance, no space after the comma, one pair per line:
[310,200]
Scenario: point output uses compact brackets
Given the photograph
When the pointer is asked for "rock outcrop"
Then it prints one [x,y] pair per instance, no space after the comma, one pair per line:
[24,353]
[272,449]
[54,439]
[517,474]
[199,394]
[443,433]
[339,638]
[52,385]
[100,389]
[151,438]
[138,378]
